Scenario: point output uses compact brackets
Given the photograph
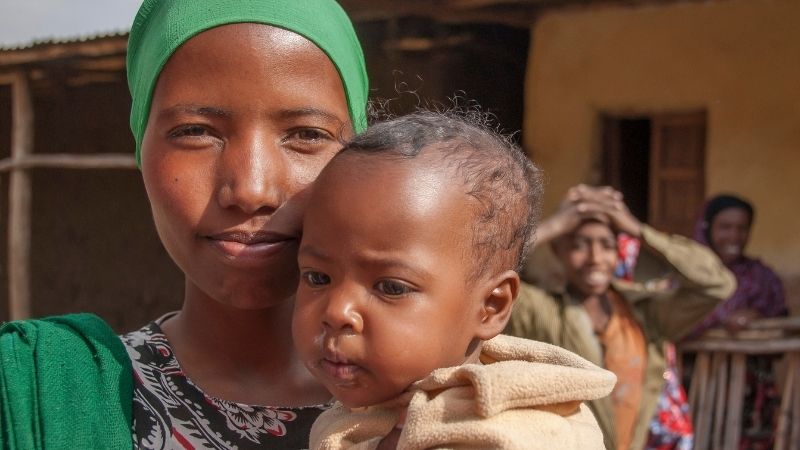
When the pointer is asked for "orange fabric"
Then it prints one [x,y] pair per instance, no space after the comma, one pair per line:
[625,354]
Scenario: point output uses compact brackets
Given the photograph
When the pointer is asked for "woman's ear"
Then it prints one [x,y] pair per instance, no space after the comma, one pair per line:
[498,302]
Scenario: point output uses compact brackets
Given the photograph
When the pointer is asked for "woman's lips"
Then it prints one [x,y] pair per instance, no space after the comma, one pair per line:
[246,245]
[731,249]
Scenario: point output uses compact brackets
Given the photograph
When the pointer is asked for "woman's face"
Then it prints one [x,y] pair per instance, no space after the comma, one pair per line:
[730,230]
[243,117]
[589,257]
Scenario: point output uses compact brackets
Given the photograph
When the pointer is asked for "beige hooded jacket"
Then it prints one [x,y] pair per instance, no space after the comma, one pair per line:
[526,395]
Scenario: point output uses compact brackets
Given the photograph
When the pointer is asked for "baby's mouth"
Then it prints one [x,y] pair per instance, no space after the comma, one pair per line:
[341,370]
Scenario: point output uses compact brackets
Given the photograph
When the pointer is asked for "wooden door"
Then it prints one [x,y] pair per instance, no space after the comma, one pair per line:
[677,171]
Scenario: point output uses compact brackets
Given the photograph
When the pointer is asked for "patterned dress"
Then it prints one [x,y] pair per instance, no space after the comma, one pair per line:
[170,412]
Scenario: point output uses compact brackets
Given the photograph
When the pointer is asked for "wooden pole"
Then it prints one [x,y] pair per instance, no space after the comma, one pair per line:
[720,371]
[704,387]
[785,416]
[19,204]
[69,161]
[733,422]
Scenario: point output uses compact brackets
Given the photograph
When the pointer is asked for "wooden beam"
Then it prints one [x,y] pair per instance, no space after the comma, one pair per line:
[69,161]
[7,78]
[19,204]
[109,64]
[751,347]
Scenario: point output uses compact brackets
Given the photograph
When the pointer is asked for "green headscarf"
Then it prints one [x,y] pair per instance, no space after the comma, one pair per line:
[161,26]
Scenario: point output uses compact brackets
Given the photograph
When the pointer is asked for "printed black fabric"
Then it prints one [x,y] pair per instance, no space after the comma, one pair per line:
[171,412]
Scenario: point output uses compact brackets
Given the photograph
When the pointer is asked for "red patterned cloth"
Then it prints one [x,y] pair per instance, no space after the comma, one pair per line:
[671,427]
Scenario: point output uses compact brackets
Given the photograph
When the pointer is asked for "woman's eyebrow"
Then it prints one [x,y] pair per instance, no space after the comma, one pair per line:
[305,112]
[196,110]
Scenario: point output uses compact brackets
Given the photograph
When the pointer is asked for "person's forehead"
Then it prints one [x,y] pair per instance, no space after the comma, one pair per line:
[593,229]
[260,42]
[732,214]
[276,37]
[425,190]
[272,68]
[426,170]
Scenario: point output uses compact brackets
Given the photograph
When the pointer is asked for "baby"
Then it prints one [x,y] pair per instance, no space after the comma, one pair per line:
[409,258]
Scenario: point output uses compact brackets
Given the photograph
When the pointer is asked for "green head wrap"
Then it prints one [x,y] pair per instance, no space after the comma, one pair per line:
[161,26]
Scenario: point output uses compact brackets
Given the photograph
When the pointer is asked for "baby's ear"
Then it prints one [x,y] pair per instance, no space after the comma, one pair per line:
[498,300]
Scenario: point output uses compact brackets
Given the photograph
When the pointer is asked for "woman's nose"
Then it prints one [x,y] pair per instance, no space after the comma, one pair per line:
[342,312]
[252,175]
[595,253]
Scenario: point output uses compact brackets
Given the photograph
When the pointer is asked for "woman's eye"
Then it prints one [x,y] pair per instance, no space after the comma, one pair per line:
[195,136]
[580,245]
[316,279]
[311,134]
[189,131]
[309,139]
[393,288]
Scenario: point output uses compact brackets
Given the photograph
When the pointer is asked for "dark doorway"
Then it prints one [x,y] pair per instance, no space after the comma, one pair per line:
[627,160]
[658,163]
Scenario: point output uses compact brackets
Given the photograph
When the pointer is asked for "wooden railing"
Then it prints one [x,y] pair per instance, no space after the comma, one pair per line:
[717,388]
[18,166]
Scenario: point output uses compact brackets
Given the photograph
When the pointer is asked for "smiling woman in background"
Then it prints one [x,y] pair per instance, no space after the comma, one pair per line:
[725,227]
[237,106]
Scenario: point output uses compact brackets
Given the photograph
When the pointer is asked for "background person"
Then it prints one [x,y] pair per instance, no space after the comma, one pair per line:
[725,227]
[619,325]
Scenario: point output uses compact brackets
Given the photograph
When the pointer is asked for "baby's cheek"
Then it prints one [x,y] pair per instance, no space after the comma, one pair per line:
[302,325]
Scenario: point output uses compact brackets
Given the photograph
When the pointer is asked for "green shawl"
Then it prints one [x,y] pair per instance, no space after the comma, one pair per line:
[65,383]
[162,26]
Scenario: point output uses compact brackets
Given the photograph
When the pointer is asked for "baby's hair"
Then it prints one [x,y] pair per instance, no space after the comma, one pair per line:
[506,185]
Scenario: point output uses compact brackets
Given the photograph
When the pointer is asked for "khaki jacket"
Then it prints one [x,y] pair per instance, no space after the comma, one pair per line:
[527,395]
[666,311]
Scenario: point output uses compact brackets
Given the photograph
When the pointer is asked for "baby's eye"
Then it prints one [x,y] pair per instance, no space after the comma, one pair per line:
[316,279]
[393,288]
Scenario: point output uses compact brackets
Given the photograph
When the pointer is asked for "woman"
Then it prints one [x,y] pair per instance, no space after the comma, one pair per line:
[236,107]
[725,228]
[619,325]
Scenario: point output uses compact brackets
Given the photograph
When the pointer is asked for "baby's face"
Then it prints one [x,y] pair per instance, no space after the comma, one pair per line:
[384,295]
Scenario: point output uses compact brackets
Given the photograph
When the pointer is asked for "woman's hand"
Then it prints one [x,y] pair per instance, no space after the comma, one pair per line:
[583,202]
[288,219]
[608,202]
[574,209]
[740,319]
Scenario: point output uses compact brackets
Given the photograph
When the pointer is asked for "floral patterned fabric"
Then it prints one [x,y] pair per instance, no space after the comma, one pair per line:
[671,427]
[170,412]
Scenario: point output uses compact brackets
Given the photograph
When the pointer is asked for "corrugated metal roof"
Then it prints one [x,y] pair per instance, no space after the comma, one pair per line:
[42,42]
